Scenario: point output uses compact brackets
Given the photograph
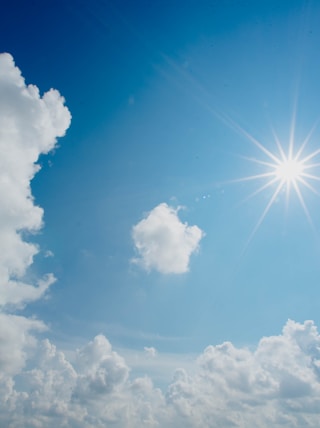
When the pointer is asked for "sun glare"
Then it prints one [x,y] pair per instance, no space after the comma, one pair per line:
[292,170]
[289,170]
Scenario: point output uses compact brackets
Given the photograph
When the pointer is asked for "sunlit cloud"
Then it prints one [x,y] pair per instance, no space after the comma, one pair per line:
[274,384]
[163,242]
[29,127]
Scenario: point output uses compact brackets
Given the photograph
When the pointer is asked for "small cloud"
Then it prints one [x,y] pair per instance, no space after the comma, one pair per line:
[163,242]
[150,352]
[48,253]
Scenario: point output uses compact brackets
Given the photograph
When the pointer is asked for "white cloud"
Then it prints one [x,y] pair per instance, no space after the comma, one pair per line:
[163,242]
[277,384]
[48,253]
[16,341]
[29,126]
[150,351]
[101,370]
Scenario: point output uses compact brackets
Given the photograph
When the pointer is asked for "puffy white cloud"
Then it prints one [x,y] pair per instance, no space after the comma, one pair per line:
[163,242]
[16,341]
[93,391]
[101,370]
[276,384]
[29,126]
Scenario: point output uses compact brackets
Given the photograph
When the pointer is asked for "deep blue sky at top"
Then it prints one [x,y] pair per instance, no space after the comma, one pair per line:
[142,80]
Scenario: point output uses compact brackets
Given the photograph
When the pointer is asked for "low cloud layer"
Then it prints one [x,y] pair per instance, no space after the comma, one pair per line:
[277,384]
[163,242]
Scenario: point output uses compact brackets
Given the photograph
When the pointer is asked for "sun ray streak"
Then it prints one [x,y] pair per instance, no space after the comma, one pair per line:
[263,215]
[260,189]
[308,185]
[258,161]
[303,204]
[313,177]
[280,148]
[288,188]
[309,157]
[307,139]
[246,134]
[252,177]
[292,128]
[312,165]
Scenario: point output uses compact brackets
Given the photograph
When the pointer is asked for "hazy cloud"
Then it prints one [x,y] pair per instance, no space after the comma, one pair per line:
[150,351]
[163,242]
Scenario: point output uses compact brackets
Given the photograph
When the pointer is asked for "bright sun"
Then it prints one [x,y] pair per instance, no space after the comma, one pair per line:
[291,170]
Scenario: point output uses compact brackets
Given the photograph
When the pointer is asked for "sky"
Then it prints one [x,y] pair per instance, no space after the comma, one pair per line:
[159,230]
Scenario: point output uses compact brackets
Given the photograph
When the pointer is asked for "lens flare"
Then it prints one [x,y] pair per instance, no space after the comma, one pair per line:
[291,171]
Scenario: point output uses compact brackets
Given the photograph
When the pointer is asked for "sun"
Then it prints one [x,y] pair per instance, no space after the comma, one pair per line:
[291,170]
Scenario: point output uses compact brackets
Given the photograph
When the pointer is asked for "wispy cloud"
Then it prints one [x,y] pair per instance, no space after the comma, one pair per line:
[150,351]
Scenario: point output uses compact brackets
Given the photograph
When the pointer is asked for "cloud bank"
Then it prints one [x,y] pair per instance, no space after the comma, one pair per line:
[163,242]
[276,384]
[29,127]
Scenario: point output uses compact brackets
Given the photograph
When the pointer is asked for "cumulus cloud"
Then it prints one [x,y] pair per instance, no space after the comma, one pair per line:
[29,127]
[101,370]
[276,384]
[163,242]
[16,341]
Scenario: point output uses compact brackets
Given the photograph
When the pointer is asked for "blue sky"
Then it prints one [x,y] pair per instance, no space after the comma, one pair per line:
[156,91]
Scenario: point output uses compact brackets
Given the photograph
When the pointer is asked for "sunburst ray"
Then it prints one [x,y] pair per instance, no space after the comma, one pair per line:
[287,170]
